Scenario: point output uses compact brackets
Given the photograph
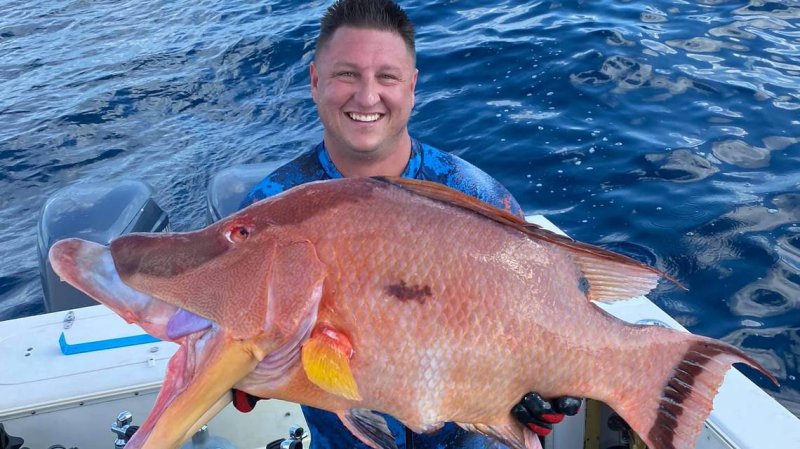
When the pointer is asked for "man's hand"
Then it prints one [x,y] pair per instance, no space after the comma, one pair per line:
[540,415]
[244,402]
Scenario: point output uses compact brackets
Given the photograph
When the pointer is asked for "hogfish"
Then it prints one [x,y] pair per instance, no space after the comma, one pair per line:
[367,295]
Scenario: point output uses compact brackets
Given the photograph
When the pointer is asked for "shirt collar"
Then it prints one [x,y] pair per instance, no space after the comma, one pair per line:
[412,167]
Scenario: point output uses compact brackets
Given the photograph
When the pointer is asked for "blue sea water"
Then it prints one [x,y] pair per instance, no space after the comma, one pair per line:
[665,130]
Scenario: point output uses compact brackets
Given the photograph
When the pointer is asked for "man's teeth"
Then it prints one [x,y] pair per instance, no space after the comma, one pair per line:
[364,117]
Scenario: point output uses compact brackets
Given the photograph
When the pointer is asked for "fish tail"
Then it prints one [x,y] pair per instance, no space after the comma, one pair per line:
[673,417]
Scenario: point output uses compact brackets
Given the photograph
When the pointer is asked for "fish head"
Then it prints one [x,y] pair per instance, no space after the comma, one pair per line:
[221,272]
[239,293]
[199,376]
[252,277]
[259,284]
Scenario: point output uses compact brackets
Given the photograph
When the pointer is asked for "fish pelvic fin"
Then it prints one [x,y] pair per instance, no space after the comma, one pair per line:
[512,433]
[674,418]
[369,427]
[326,360]
[610,276]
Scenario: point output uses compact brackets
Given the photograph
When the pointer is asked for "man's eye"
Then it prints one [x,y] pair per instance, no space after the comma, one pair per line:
[346,74]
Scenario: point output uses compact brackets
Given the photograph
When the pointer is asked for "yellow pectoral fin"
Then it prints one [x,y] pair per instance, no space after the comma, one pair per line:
[326,360]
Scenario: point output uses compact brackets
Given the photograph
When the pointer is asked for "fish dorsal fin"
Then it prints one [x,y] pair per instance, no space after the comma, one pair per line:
[326,360]
[610,276]
[369,427]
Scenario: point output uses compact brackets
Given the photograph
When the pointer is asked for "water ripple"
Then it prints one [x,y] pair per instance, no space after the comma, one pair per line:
[681,165]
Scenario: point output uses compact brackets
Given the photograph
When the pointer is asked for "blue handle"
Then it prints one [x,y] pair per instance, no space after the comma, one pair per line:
[100,345]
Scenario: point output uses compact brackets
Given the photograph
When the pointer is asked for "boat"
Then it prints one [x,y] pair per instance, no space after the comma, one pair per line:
[78,376]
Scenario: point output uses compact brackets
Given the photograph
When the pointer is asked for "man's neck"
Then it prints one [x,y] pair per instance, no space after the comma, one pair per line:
[393,163]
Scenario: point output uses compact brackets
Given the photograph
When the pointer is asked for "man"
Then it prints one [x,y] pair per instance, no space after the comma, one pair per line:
[363,79]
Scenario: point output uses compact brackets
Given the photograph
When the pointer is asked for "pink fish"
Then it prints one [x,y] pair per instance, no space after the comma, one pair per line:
[399,296]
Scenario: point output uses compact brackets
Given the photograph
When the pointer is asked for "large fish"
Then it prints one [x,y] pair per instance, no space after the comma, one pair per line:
[397,296]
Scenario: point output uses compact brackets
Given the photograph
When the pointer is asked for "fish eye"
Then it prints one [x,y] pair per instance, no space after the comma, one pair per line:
[237,234]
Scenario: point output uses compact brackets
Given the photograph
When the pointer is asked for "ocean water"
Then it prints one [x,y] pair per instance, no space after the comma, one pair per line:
[665,130]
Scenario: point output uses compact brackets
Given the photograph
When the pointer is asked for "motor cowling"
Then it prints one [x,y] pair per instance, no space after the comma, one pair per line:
[94,212]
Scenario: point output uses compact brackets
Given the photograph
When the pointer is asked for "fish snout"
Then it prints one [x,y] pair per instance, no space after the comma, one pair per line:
[133,255]
[162,255]
[64,251]
[69,256]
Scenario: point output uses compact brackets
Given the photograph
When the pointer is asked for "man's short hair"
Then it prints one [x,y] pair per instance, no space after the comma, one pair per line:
[382,15]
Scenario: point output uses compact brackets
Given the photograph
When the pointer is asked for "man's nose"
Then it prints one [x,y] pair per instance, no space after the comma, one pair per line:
[368,93]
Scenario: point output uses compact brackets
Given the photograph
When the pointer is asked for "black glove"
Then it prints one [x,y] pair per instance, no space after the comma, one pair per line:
[244,402]
[539,415]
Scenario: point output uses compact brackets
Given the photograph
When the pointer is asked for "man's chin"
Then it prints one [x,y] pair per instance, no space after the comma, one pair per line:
[364,147]
[364,150]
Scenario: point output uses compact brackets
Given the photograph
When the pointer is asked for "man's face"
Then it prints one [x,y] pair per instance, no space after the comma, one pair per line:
[363,83]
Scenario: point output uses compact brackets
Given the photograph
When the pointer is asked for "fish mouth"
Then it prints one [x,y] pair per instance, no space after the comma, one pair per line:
[90,268]
[202,372]
[197,387]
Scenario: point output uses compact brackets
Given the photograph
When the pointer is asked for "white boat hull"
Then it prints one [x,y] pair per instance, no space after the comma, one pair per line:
[49,398]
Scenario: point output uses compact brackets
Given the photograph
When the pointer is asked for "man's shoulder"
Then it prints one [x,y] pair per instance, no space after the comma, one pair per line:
[453,171]
[447,165]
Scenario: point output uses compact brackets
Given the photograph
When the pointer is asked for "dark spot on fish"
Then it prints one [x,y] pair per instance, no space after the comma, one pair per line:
[405,292]
[583,285]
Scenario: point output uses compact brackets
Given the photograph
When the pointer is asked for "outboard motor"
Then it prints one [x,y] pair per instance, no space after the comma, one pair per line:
[227,189]
[95,212]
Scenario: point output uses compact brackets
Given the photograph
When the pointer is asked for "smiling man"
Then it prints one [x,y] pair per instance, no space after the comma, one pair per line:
[363,79]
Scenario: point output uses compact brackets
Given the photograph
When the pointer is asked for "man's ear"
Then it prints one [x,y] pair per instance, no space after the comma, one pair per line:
[314,80]
[414,87]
